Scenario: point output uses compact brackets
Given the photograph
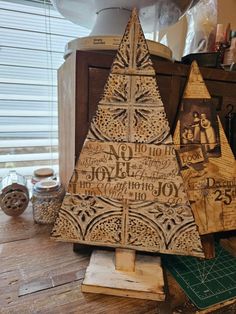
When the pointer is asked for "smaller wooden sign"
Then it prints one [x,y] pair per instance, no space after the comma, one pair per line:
[208,164]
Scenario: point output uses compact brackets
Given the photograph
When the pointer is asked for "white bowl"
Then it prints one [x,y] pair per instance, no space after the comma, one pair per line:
[109,17]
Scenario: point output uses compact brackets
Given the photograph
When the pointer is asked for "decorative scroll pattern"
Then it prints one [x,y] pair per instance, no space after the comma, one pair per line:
[116,89]
[146,91]
[133,53]
[126,190]
[150,226]
[83,207]
[87,216]
[144,234]
[170,222]
[109,125]
[142,57]
[184,240]
[107,230]
[150,125]
[123,56]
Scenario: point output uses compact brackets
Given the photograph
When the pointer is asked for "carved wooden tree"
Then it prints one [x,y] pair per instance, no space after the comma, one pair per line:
[126,190]
[208,164]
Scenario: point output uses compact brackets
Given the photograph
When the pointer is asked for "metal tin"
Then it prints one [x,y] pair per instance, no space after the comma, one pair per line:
[14,197]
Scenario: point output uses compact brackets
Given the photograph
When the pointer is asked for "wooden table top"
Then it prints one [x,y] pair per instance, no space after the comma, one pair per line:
[39,275]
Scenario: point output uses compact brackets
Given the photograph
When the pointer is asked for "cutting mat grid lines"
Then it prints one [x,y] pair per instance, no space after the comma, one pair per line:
[206,282]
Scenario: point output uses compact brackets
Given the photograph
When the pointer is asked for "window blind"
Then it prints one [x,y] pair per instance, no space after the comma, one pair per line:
[32,40]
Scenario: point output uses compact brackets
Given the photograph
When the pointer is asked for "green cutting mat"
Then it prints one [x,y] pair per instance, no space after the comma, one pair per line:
[206,282]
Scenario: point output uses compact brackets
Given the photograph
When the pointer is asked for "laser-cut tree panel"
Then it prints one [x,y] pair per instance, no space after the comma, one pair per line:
[208,164]
[126,190]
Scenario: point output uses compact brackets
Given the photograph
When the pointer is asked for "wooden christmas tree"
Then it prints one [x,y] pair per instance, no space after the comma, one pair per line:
[126,190]
[207,162]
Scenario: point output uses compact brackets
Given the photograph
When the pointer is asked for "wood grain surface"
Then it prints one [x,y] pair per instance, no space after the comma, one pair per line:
[39,275]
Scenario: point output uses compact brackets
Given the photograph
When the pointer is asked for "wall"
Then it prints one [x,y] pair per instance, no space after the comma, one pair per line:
[227,12]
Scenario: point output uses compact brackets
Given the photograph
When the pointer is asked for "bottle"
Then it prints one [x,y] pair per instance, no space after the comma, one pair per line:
[230,53]
[47,199]
[222,40]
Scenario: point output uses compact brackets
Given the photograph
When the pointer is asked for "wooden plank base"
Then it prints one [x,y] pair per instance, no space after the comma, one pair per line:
[125,260]
[146,282]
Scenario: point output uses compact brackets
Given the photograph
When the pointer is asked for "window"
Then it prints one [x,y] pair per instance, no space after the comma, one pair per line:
[32,40]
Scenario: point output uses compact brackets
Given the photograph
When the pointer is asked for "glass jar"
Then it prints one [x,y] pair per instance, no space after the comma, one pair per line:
[47,199]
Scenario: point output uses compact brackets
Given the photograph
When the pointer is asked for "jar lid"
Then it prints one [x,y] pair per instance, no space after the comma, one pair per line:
[47,185]
[44,172]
